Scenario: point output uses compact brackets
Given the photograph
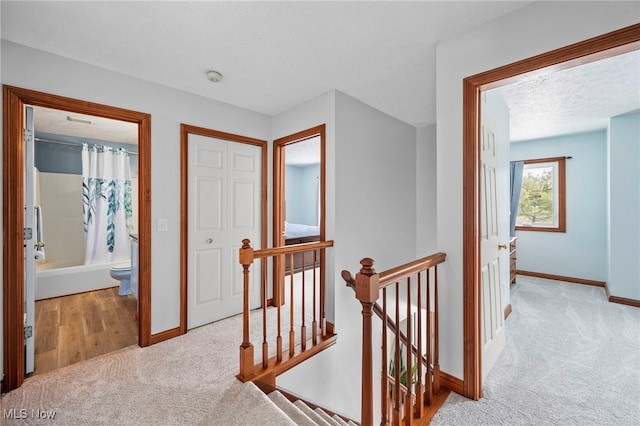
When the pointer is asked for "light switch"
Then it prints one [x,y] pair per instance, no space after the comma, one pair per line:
[163,224]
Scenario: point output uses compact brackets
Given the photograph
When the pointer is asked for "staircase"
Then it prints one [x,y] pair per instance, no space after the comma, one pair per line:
[303,415]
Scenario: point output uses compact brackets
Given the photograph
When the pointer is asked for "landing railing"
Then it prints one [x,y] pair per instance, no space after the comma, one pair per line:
[303,275]
[410,373]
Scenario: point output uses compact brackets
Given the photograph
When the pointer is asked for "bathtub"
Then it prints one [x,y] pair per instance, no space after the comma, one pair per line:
[54,280]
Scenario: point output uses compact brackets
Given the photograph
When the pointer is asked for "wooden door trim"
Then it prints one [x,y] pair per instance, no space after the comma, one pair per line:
[185,130]
[278,197]
[14,100]
[596,48]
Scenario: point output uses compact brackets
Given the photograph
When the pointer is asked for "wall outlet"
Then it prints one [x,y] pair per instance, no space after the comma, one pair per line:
[163,225]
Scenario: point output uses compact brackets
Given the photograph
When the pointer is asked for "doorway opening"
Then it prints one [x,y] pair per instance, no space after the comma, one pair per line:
[298,203]
[81,310]
[607,45]
[15,101]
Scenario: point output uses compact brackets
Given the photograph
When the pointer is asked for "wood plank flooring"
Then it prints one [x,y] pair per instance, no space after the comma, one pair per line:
[73,328]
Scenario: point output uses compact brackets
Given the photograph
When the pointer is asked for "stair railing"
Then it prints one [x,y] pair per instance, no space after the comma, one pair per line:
[410,379]
[271,366]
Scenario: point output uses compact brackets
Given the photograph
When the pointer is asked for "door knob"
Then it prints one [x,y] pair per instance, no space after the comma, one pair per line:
[209,240]
[502,246]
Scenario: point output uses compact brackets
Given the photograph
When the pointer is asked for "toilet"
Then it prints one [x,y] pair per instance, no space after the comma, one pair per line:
[122,273]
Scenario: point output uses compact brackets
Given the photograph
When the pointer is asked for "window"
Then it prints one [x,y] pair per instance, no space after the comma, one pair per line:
[542,196]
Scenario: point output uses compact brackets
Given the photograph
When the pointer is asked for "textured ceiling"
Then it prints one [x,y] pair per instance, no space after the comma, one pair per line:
[573,100]
[56,122]
[275,55]
[303,153]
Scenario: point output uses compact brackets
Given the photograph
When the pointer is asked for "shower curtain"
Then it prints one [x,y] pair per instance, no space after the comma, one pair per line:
[106,196]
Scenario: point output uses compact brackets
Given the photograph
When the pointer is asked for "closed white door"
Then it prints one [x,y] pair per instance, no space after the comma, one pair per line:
[493,334]
[224,208]
[29,241]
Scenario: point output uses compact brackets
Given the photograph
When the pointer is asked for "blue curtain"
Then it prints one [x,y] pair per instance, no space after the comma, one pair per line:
[516,185]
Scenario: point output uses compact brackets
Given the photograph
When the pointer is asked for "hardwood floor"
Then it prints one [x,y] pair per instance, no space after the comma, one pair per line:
[73,328]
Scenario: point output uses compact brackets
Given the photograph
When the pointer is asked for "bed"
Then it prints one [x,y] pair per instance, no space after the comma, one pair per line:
[297,233]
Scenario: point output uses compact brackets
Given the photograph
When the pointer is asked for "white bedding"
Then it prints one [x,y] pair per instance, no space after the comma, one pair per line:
[298,230]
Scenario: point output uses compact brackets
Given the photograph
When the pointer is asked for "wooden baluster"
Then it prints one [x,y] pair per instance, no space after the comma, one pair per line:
[384,382]
[247,370]
[419,384]
[265,344]
[314,324]
[367,292]
[436,350]
[323,319]
[279,337]
[408,400]
[397,417]
[292,333]
[429,377]
[303,327]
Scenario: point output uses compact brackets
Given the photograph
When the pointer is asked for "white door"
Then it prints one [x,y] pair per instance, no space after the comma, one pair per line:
[493,334]
[224,208]
[29,241]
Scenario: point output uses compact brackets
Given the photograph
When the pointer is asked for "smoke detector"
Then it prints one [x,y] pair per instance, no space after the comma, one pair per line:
[214,76]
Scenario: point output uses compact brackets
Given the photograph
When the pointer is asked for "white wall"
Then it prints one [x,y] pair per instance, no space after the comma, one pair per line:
[496,110]
[624,205]
[580,252]
[426,243]
[537,28]
[37,70]
[375,215]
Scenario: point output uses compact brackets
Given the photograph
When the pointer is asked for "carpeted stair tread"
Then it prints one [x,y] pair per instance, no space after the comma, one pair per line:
[339,420]
[245,404]
[312,414]
[291,410]
[326,417]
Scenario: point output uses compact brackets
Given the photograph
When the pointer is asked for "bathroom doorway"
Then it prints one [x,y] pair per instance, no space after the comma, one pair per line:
[15,101]
[85,192]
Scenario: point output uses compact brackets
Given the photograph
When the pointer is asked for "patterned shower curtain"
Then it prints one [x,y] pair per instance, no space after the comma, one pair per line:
[106,203]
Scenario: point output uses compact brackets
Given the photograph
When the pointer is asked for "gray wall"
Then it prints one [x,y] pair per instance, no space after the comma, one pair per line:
[37,70]
[64,158]
[371,212]
[426,190]
[624,205]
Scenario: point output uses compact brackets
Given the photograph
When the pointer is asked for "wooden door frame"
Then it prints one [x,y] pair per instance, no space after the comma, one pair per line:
[279,196]
[14,100]
[185,130]
[596,48]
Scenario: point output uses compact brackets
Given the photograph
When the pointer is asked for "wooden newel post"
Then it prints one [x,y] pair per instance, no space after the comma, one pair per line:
[246,348]
[367,292]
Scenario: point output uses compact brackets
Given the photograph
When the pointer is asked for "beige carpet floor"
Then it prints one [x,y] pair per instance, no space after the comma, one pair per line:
[571,358]
[188,380]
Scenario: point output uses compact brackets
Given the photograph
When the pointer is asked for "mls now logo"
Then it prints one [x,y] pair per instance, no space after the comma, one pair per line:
[23,413]
[14,413]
